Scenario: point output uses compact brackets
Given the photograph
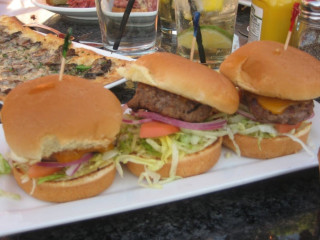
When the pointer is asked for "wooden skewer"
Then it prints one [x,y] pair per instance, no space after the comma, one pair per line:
[193,44]
[295,12]
[63,64]
[65,48]
[319,158]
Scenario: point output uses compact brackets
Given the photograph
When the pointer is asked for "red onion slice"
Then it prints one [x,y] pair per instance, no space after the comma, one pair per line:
[216,124]
[124,107]
[140,121]
[311,116]
[83,159]
[72,169]
[246,114]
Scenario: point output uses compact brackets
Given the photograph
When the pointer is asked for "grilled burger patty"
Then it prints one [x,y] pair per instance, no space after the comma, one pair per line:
[169,104]
[293,114]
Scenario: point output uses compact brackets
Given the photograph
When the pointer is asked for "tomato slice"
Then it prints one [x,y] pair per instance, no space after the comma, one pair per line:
[36,171]
[284,128]
[156,129]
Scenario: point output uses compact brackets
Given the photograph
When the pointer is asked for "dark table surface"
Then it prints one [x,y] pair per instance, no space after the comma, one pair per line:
[285,207]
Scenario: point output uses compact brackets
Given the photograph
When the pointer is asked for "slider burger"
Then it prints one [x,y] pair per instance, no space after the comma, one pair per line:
[61,135]
[277,88]
[174,128]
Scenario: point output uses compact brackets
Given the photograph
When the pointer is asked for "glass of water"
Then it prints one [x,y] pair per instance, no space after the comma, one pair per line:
[217,25]
[138,36]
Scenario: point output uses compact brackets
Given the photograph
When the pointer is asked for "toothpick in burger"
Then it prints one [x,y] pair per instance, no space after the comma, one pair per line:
[277,91]
[61,135]
[175,126]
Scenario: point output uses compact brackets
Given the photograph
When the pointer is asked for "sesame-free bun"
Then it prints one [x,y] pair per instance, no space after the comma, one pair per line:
[45,115]
[268,147]
[190,165]
[265,68]
[183,77]
[69,190]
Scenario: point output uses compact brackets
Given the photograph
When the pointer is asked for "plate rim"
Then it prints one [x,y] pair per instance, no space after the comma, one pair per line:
[75,13]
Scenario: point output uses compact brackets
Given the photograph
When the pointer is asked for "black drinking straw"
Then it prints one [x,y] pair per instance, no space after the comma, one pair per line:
[202,54]
[123,24]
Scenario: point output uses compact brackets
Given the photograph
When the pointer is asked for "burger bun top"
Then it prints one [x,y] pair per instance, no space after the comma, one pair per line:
[45,115]
[265,68]
[183,77]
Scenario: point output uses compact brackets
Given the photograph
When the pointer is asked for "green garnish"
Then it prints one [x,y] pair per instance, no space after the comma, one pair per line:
[4,166]
[67,43]
[82,67]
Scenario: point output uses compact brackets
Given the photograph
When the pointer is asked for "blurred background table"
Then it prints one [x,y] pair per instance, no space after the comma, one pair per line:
[285,207]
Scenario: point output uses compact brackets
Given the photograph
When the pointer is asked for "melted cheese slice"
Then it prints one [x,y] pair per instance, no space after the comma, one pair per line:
[274,105]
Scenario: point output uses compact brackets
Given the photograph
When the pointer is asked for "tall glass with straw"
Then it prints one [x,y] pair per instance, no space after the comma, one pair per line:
[216,24]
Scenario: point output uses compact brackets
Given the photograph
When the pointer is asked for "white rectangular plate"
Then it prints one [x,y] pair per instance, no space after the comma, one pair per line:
[125,194]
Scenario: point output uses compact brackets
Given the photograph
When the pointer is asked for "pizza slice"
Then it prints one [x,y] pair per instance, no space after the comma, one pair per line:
[26,54]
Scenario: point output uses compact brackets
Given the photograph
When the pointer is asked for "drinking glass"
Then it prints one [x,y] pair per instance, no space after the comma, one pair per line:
[167,25]
[167,16]
[217,25]
[138,36]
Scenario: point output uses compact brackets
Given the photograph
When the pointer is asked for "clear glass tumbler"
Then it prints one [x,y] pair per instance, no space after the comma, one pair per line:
[139,35]
[217,25]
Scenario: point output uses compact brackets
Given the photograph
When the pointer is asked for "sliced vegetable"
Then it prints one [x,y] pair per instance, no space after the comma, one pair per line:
[216,124]
[285,128]
[83,67]
[72,169]
[139,121]
[84,158]
[36,171]
[4,166]
[14,196]
[156,129]
[246,114]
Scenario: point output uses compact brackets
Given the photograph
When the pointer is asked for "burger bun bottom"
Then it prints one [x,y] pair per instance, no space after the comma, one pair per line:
[190,165]
[269,147]
[64,191]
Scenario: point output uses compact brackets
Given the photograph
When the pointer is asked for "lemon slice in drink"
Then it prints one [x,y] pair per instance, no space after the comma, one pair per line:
[212,5]
[212,37]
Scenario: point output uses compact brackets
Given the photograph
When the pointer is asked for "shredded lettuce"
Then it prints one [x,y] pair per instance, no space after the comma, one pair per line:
[153,153]
[6,169]
[55,176]
[238,124]
[4,166]
[98,161]
[9,195]
[304,146]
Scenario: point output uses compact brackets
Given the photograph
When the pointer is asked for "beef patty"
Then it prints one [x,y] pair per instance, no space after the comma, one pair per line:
[293,114]
[169,104]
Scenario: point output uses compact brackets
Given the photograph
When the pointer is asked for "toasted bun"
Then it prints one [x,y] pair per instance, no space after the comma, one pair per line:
[269,147]
[64,191]
[45,115]
[190,165]
[265,68]
[183,77]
